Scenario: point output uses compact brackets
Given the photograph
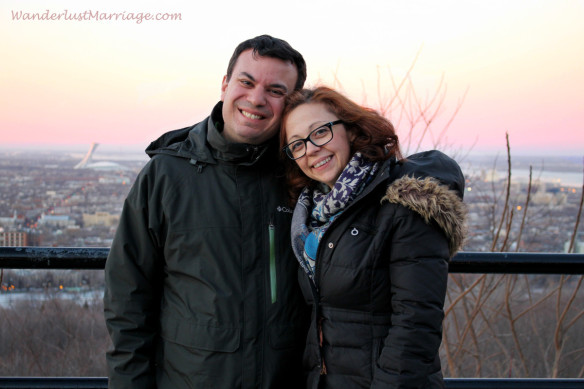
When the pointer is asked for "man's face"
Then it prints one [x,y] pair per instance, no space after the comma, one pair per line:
[253,99]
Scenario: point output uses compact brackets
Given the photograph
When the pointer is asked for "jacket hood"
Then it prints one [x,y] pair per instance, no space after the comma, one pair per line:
[434,202]
[203,143]
[188,142]
[432,185]
[431,163]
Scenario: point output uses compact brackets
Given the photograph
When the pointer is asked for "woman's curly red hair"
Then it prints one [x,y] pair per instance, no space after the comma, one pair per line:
[375,136]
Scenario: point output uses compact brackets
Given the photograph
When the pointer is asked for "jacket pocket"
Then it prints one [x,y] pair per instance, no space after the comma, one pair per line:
[194,335]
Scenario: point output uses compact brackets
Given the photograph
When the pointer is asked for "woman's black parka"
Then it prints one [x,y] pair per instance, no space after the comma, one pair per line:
[380,279]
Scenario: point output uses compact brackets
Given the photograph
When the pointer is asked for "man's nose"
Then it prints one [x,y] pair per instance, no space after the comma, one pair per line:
[257,97]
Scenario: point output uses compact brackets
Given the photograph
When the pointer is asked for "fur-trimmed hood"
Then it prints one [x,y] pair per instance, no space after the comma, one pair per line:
[434,202]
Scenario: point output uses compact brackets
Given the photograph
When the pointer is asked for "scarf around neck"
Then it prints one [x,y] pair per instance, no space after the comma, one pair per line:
[316,209]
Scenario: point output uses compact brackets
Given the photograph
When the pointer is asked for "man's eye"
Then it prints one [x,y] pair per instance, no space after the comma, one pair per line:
[277,92]
[246,83]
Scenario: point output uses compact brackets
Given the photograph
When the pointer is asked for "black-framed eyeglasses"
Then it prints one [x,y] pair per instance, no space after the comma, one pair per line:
[319,137]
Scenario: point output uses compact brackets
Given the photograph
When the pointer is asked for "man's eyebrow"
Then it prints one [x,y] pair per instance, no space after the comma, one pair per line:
[279,86]
[276,85]
[245,74]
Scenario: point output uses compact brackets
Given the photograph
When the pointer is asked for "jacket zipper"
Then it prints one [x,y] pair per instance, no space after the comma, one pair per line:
[320,340]
[273,279]
[323,369]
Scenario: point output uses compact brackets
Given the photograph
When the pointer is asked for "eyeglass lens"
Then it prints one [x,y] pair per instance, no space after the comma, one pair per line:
[318,137]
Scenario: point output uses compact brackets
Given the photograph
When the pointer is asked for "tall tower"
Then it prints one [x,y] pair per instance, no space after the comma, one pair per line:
[87,158]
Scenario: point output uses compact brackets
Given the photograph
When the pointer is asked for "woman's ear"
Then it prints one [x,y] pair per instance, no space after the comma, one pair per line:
[352,135]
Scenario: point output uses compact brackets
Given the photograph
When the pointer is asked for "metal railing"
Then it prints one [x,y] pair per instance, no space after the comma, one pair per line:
[450,383]
[464,262]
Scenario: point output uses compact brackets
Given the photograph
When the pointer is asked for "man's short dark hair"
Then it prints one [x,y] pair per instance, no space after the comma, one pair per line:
[268,46]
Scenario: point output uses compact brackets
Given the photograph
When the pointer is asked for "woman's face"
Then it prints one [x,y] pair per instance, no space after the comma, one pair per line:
[325,163]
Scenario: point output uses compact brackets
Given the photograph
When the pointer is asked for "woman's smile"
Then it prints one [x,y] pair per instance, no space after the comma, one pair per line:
[322,162]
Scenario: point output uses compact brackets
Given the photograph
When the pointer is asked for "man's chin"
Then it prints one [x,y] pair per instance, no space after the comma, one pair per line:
[256,135]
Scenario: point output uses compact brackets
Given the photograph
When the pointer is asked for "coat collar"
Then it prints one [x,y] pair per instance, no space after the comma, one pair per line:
[223,150]
[203,143]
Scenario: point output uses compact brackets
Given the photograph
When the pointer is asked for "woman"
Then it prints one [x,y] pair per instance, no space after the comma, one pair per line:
[373,234]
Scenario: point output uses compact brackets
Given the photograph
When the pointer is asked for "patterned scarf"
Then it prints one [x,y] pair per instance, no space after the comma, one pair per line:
[316,210]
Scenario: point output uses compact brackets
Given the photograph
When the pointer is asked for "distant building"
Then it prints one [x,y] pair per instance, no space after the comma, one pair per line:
[9,221]
[13,238]
[56,220]
[87,159]
[548,198]
[490,175]
[123,180]
[100,219]
[88,163]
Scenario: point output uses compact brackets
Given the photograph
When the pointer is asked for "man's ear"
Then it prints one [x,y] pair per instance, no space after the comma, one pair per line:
[224,85]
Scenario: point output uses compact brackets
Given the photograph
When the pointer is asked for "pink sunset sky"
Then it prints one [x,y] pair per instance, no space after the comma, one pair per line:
[510,66]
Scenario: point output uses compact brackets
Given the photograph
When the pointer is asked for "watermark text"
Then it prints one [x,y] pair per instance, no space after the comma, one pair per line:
[89,15]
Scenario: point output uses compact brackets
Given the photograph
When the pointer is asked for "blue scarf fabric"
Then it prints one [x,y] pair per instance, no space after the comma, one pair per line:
[316,209]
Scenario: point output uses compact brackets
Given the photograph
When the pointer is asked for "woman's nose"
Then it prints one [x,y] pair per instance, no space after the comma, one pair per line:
[311,148]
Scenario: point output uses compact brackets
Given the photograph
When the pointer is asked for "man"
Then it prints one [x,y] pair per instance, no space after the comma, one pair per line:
[201,288]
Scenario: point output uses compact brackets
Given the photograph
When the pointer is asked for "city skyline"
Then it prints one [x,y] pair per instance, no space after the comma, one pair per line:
[510,66]
[48,200]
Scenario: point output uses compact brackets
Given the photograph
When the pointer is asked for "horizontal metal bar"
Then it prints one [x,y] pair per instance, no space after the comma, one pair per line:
[450,383]
[517,263]
[53,382]
[514,383]
[53,257]
[463,262]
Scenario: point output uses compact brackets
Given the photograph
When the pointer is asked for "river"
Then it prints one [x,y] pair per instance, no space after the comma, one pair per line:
[83,297]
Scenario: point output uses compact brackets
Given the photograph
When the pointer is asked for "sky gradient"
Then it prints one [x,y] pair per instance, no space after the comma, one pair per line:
[513,67]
